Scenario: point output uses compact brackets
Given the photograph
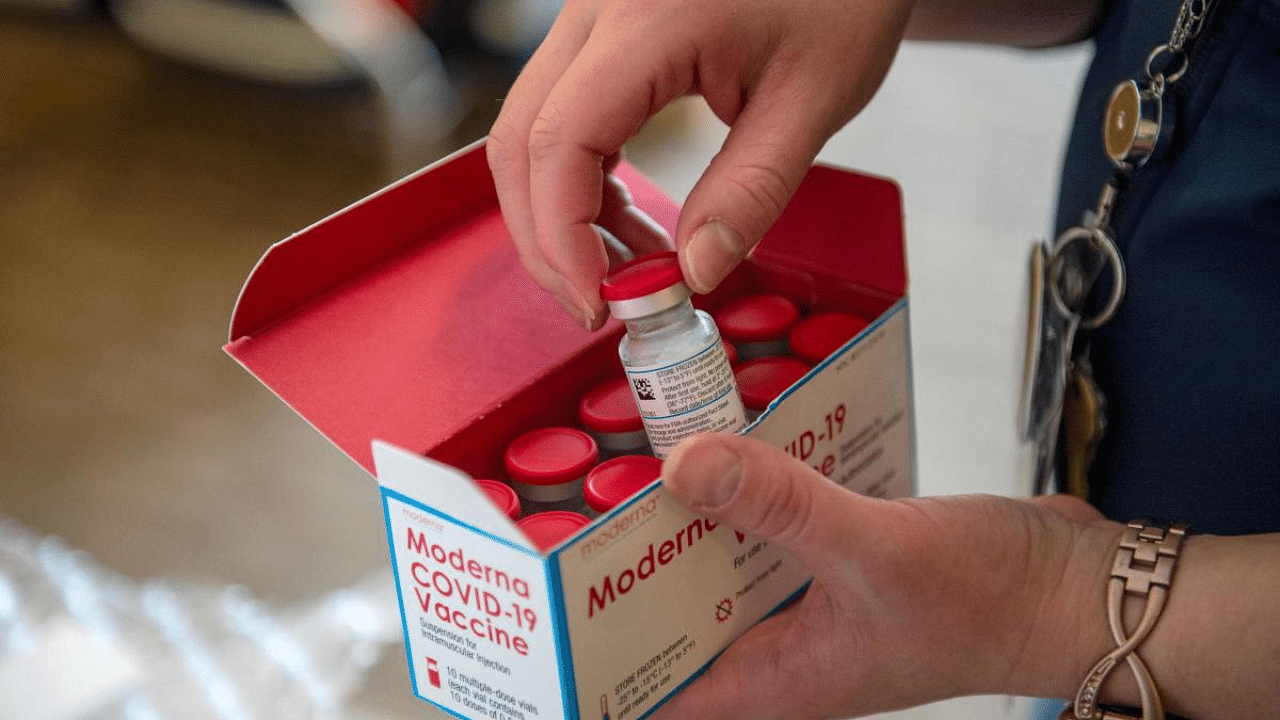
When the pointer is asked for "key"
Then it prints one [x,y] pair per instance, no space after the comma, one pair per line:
[1050,337]
[1061,278]
[1084,420]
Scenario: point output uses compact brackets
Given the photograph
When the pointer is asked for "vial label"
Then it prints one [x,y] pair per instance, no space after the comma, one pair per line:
[691,396]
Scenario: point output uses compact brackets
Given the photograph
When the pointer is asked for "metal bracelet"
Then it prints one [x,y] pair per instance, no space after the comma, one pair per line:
[1143,567]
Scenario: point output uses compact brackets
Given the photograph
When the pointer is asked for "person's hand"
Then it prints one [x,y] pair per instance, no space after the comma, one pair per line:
[785,75]
[912,600]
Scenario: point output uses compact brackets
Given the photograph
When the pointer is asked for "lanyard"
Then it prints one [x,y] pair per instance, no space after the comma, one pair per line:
[1060,397]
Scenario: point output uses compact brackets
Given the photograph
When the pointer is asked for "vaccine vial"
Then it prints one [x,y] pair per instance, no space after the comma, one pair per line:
[613,482]
[672,354]
[815,338]
[762,380]
[548,465]
[548,529]
[609,413]
[502,496]
[758,324]
[730,352]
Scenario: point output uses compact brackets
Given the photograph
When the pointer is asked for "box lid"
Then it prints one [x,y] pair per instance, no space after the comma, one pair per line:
[407,316]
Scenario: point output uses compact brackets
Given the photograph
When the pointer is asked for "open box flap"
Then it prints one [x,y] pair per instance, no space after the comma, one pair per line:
[407,316]
[452,493]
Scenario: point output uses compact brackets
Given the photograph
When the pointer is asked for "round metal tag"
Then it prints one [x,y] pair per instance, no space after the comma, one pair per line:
[1132,125]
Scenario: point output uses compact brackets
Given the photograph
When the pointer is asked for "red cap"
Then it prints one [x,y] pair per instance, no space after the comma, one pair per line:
[613,481]
[730,352]
[756,318]
[503,496]
[763,379]
[548,529]
[814,338]
[642,276]
[550,456]
[610,408]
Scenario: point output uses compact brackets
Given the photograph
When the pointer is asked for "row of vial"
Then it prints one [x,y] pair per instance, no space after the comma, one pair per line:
[558,481]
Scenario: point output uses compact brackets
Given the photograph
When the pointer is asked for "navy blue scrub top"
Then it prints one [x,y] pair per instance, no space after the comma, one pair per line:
[1190,364]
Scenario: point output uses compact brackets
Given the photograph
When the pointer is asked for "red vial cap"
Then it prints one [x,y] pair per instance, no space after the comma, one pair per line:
[611,482]
[730,352]
[757,318]
[763,379]
[814,338]
[550,456]
[503,496]
[548,529]
[610,408]
[642,276]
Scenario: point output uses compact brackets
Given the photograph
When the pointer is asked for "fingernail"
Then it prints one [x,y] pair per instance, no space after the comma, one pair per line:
[703,474]
[576,305]
[571,309]
[713,251]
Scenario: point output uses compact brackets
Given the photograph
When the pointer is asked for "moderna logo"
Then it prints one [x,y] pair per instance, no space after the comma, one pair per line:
[621,525]
[655,556]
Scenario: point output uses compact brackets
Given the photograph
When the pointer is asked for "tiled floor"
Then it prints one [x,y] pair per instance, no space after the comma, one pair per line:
[135,195]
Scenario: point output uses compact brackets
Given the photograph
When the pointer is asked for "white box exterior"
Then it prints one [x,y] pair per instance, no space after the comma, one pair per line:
[621,616]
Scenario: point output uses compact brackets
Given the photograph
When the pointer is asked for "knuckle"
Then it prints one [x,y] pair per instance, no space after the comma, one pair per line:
[764,187]
[785,507]
[546,134]
[500,147]
[636,11]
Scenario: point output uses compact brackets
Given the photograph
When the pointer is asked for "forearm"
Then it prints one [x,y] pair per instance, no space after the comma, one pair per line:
[1215,652]
[1021,23]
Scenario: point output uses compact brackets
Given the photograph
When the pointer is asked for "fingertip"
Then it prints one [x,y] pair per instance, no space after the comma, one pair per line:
[587,308]
[713,251]
[703,472]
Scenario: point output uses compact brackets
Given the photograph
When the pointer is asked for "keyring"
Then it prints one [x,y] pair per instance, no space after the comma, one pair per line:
[1174,54]
[1099,240]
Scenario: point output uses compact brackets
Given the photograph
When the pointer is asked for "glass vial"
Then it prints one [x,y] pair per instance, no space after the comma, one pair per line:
[815,338]
[547,467]
[615,481]
[549,528]
[608,412]
[762,380]
[758,324]
[503,497]
[672,354]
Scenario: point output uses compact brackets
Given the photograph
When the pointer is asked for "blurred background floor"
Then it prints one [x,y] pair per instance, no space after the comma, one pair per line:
[136,194]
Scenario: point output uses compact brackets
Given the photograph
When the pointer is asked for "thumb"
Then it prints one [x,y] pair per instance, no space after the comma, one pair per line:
[763,492]
[747,185]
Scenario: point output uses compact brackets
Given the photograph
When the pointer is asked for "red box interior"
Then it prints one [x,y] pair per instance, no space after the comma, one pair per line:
[408,318]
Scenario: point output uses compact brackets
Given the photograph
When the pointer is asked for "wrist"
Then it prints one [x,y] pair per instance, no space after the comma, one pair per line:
[1066,624]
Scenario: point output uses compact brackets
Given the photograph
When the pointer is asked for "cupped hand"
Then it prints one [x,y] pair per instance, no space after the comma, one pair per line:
[785,75]
[912,600]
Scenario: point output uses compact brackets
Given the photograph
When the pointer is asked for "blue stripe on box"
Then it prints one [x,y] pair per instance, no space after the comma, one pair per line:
[911,395]
[387,495]
[885,317]
[404,620]
[560,623]
[696,673]
[440,707]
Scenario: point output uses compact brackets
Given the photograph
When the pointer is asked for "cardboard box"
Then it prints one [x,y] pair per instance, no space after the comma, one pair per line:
[405,330]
